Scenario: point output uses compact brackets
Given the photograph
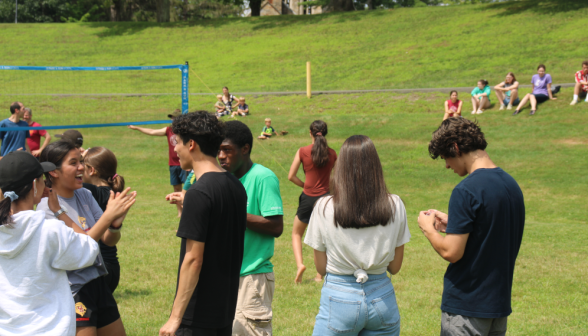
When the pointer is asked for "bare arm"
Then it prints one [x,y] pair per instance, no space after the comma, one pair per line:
[271,225]
[500,87]
[294,169]
[450,247]
[549,92]
[447,107]
[189,276]
[395,265]
[320,262]
[459,107]
[149,131]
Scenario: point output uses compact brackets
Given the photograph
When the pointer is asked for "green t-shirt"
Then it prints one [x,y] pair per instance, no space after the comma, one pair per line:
[189,180]
[486,90]
[263,199]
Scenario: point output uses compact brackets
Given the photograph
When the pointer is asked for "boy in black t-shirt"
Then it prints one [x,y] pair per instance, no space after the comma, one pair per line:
[484,230]
[212,229]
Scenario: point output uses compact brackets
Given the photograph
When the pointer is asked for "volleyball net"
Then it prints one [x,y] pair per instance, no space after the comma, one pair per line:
[84,97]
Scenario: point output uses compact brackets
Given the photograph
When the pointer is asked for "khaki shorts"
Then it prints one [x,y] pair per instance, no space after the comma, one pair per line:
[253,316]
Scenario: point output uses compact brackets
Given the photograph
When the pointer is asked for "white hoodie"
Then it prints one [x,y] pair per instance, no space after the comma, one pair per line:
[35,298]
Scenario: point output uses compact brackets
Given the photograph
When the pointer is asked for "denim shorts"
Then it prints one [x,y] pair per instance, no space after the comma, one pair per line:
[352,308]
[176,175]
[507,100]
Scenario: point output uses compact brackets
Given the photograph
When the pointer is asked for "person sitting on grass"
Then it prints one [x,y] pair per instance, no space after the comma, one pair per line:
[242,108]
[452,106]
[268,130]
[541,91]
[507,92]
[481,97]
[581,84]
[221,109]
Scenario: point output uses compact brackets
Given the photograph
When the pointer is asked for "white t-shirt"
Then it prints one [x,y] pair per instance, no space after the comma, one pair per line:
[370,249]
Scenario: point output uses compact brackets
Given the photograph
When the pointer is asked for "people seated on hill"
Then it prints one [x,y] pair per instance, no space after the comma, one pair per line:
[242,108]
[507,92]
[541,91]
[221,109]
[481,97]
[581,84]
[452,106]
[268,130]
[228,99]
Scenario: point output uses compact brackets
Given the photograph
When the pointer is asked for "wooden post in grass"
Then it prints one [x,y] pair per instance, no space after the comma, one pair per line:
[308,91]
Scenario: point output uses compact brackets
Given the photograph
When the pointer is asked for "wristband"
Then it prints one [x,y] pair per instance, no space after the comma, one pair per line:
[59,212]
[115,230]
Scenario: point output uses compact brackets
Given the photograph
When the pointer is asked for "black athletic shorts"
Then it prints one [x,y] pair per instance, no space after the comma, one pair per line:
[95,305]
[186,330]
[541,98]
[113,275]
[305,206]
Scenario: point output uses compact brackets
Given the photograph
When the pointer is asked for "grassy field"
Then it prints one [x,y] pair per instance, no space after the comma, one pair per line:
[429,47]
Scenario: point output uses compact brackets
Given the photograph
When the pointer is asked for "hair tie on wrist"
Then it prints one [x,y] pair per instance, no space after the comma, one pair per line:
[115,175]
[12,195]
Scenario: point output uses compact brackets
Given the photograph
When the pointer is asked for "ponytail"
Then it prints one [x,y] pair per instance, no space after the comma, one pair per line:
[5,204]
[116,183]
[320,149]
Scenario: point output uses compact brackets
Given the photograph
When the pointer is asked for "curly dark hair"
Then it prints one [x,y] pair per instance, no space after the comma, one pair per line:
[239,134]
[465,133]
[202,127]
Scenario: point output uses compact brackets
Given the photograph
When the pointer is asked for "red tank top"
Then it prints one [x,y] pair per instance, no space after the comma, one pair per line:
[453,107]
[316,182]
[174,160]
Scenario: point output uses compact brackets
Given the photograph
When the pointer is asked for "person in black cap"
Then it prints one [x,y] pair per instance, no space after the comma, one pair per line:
[73,136]
[36,252]
[177,175]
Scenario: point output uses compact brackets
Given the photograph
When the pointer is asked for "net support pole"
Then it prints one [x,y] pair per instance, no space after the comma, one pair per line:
[308,82]
[185,82]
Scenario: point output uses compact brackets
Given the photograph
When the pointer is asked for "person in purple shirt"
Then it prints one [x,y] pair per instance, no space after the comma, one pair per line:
[541,91]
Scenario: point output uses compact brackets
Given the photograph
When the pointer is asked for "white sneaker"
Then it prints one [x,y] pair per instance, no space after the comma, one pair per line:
[509,107]
[501,107]
[574,102]
[474,112]
[479,112]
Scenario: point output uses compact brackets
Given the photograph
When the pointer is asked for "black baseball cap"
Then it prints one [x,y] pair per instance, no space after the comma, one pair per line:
[17,169]
[73,136]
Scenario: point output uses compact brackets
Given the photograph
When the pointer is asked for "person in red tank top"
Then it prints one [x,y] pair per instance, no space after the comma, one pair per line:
[177,175]
[452,106]
[317,161]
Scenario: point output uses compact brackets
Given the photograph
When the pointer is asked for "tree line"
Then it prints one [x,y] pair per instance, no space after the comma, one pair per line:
[30,11]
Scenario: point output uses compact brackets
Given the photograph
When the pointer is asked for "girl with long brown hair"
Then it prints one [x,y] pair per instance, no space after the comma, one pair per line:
[358,233]
[317,161]
[507,92]
[100,178]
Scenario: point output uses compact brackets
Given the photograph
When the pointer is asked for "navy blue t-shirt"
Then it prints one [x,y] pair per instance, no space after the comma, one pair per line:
[489,205]
[13,140]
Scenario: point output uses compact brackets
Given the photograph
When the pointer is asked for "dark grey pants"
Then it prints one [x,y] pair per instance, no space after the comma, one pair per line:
[459,325]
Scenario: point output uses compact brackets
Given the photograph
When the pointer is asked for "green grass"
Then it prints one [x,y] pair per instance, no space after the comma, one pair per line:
[429,47]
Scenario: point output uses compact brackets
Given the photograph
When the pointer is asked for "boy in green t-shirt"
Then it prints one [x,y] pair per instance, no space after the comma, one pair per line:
[268,130]
[264,223]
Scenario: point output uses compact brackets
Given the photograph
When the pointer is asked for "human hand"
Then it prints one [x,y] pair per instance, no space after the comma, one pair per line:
[175,198]
[36,152]
[119,204]
[440,220]
[170,327]
[553,98]
[53,201]
[426,222]
[133,127]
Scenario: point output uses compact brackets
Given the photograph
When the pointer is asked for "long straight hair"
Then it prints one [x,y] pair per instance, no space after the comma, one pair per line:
[320,149]
[359,193]
[104,162]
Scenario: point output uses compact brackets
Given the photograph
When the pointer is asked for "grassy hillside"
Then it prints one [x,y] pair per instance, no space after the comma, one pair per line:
[400,48]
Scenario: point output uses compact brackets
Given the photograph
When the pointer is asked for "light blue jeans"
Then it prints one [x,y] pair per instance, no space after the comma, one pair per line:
[351,308]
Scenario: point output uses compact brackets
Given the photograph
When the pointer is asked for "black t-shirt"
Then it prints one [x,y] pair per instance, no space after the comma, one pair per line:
[488,205]
[215,213]
[101,195]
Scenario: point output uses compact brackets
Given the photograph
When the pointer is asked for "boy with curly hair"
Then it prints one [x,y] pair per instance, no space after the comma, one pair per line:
[484,230]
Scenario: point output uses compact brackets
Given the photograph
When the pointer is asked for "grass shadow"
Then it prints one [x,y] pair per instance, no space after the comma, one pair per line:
[508,8]
[131,293]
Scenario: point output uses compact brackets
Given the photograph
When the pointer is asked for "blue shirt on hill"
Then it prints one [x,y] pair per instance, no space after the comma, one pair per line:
[13,140]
